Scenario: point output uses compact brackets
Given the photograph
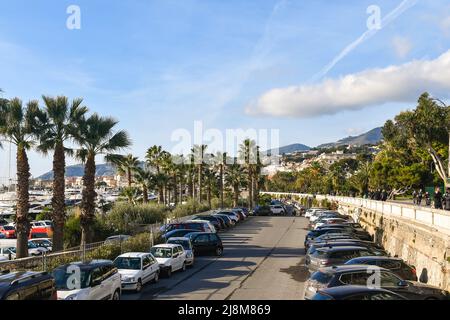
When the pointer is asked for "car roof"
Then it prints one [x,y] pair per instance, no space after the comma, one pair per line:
[179,239]
[134,255]
[350,268]
[7,278]
[344,248]
[378,258]
[179,230]
[341,291]
[88,265]
[166,245]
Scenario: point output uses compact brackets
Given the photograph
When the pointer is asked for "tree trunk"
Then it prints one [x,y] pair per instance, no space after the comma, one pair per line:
[200,183]
[209,196]
[88,200]
[161,194]
[236,195]
[221,186]
[130,179]
[250,189]
[255,188]
[145,193]
[58,199]
[22,223]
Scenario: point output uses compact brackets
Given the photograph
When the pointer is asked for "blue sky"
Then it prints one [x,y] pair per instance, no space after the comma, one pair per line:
[159,65]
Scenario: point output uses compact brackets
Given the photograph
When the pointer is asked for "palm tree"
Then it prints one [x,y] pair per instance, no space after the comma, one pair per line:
[96,137]
[126,165]
[210,180]
[248,157]
[220,161]
[21,126]
[235,177]
[61,126]
[155,156]
[199,158]
[145,179]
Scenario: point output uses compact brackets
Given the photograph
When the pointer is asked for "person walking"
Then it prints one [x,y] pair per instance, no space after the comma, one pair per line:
[438,199]
[419,197]
[447,200]
[427,199]
[414,195]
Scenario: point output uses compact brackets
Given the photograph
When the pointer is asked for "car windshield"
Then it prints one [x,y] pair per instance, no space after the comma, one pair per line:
[8,228]
[65,280]
[32,245]
[186,244]
[128,263]
[321,277]
[161,252]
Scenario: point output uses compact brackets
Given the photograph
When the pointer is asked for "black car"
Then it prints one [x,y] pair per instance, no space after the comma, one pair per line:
[226,219]
[262,211]
[396,265]
[332,256]
[356,293]
[177,233]
[371,276]
[360,233]
[317,233]
[27,285]
[332,244]
[205,243]
[214,221]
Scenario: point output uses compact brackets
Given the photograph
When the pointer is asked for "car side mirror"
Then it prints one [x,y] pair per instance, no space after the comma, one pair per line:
[403,284]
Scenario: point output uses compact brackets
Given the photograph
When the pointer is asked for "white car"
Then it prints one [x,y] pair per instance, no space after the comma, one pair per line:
[187,246]
[43,243]
[233,215]
[2,258]
[94,280]
[137,269]
[312,211]
[277,210]
[171,257]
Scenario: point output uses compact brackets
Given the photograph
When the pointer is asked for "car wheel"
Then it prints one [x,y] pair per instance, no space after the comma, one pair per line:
[184,267]
[156,278]
[139,286]
[219,251]
[116,295]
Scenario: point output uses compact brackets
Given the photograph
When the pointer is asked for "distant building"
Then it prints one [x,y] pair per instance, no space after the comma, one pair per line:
[328,159]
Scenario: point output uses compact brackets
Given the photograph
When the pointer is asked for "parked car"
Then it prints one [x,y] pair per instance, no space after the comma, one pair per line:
[332,256]
[241,213]
[334,244]
[187,246]
[278,210]
[116,239]
[206,243]
[232,215]
[27,285]
[360,233]
[40,232]
[396,265]
[226,219]
[213,220]
[171,257]
[356,293]
[9,232]
[364,275]
[199,225]
[328,222]
[42,243]
[99,280]
[136,269]
[262,211]
[177,233]
[311,211]
[8,252]
[3,258]
[317,233]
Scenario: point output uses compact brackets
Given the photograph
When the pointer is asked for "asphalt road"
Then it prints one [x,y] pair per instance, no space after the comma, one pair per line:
[262,260]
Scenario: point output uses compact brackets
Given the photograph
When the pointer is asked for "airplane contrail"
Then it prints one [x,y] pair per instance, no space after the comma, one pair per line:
[388,19]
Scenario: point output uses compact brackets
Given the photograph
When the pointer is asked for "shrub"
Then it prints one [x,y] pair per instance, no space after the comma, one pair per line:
[124,217]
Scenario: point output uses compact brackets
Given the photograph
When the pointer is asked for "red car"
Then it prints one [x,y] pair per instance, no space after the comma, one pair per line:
[8,231]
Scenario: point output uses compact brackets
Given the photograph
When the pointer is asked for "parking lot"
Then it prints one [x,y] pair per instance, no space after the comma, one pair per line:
[263,259]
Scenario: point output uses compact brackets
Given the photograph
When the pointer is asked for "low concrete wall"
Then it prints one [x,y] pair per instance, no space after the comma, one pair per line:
[418,235]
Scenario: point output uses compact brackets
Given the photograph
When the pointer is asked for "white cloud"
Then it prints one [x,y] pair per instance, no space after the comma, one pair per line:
[403,83]
[402,46]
